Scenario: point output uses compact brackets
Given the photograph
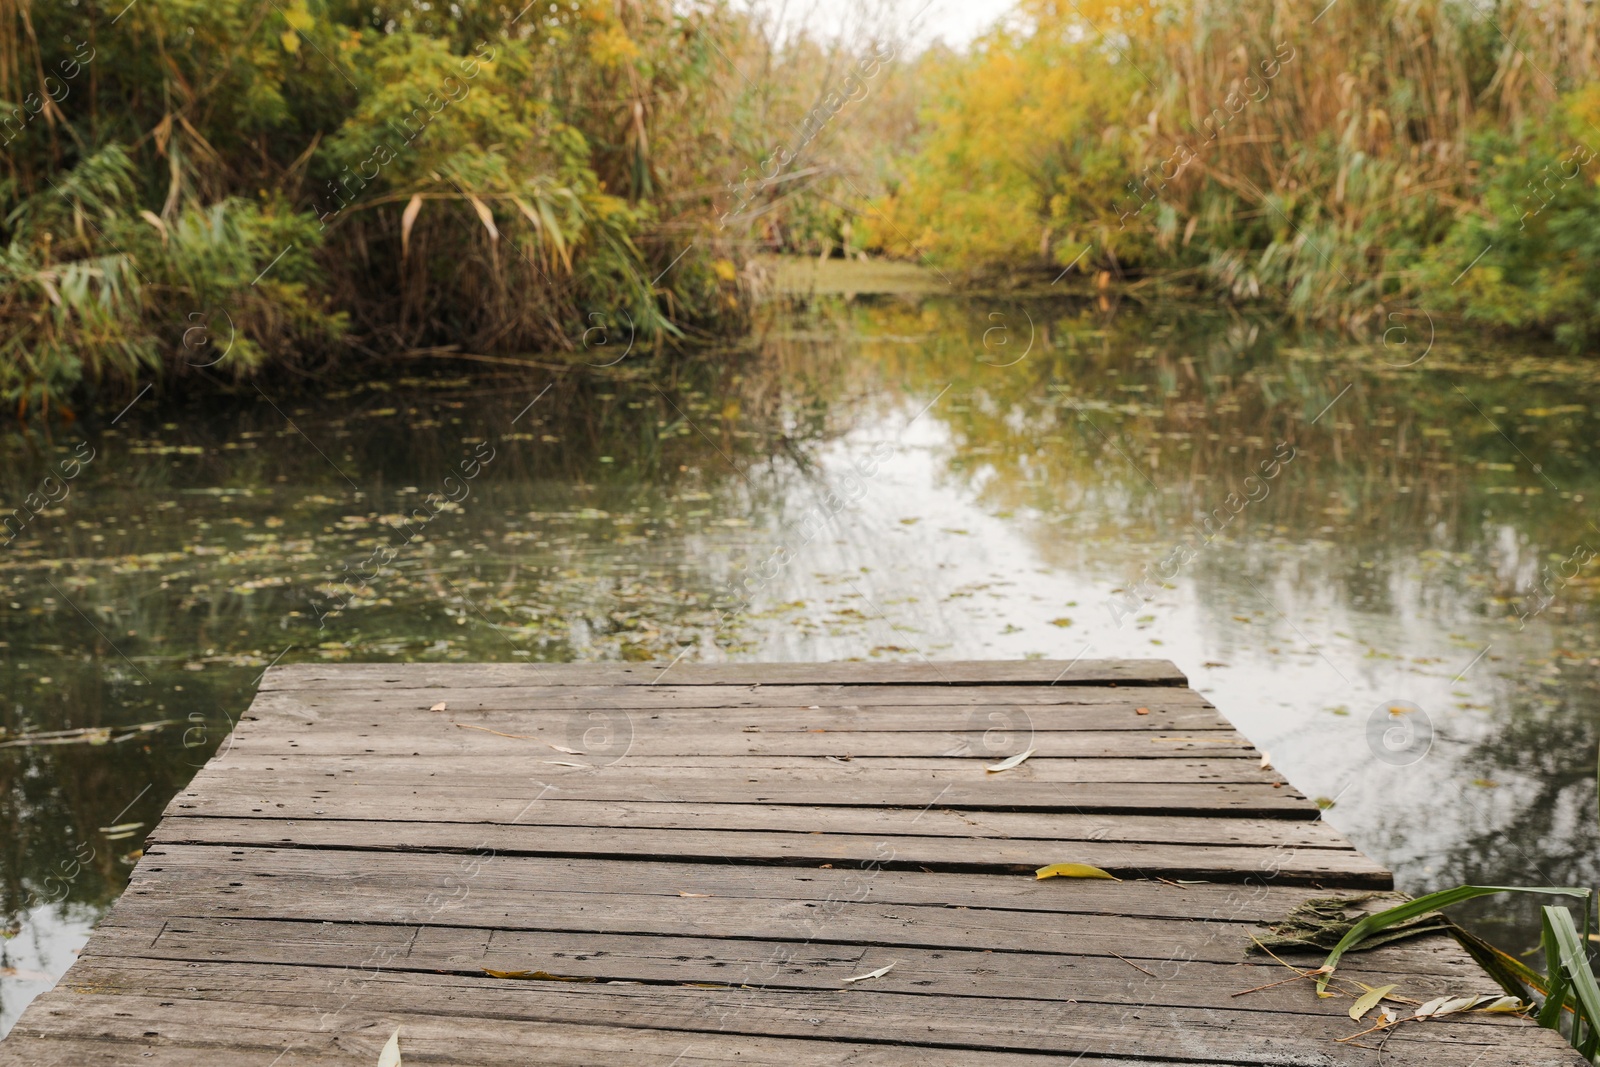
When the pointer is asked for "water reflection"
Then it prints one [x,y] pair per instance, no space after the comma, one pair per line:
[877,477]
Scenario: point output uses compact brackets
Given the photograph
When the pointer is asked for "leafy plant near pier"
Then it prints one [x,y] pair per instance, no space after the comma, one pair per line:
[1568,993]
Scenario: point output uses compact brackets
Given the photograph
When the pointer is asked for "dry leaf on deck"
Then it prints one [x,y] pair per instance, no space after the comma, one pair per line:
[1141,711]
[1504,1004]
[879,973]
[1368,1000]
[539,976]
[1009,762]
[439,706]
[1448,1006]
[390,1056]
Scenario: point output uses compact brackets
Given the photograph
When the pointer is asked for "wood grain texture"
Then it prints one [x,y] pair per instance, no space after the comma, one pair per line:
[855,1014]
[379,676]
[703,855]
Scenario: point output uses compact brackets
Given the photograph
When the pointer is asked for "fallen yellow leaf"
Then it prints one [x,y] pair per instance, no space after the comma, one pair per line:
[1073,870]
[1368,1000]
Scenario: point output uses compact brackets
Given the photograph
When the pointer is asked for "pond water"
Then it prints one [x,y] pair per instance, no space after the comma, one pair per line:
[1349,556]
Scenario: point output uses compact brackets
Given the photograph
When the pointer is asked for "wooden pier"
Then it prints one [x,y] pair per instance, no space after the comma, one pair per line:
[745,864]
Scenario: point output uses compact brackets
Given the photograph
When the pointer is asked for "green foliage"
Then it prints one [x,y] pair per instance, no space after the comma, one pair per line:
[1541,215]
[228,186]
[1339,170]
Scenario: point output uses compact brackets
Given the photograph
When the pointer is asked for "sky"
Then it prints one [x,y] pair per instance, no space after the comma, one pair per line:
[955,22]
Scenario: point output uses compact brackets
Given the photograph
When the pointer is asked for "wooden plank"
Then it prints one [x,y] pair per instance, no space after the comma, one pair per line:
[292,796]
[788,698]
[380,676]
[1316,866]
[650,738]
[423,874]
[853,918]
[904,822]
[857,1014]
[491,770]
[1424,970]
[200,1033]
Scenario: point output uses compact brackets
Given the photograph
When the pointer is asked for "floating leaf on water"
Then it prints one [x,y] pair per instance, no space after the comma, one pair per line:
[1368,1000]
[121,828]
[879,973]
[1009,762]
[23,974]
[1073,870]
[390,1056]
[88,735]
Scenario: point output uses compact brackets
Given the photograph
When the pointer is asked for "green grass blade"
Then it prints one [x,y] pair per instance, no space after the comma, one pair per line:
[1421,906]
[1574,963]
[1555,997]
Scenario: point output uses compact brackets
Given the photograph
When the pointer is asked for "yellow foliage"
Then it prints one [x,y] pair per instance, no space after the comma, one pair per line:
[1020,133]
[612,47]
[299,16]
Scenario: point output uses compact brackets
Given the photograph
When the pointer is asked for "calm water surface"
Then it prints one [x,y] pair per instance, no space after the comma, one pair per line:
[894,477]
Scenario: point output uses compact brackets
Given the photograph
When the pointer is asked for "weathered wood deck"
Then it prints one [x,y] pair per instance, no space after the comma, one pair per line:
[706,856]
